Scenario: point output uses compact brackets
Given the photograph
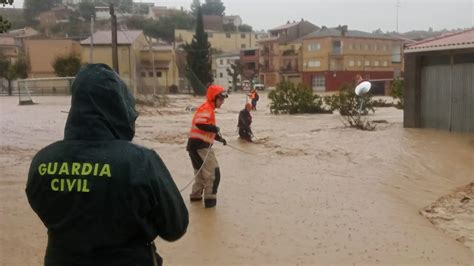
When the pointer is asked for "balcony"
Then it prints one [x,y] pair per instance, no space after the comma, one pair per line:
[336,52]
[289,69]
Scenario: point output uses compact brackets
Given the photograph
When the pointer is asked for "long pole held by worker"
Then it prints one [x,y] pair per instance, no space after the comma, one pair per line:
[114,38]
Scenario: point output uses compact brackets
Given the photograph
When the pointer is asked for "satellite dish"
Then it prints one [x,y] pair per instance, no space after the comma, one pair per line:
[362,88]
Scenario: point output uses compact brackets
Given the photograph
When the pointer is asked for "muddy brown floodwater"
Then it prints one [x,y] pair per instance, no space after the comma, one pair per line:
[310,192]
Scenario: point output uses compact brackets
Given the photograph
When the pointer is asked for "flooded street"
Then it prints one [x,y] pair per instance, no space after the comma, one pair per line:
[309,192]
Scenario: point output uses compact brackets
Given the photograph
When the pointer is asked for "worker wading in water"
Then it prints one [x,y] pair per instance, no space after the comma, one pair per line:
[245,120]
[201,137]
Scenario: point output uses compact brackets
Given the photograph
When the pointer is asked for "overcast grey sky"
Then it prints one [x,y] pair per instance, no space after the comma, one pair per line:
[366,15]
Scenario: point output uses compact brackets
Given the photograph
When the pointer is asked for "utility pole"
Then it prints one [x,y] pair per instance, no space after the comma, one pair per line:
[397,5]
[91,56]
[114,39]
[152,55]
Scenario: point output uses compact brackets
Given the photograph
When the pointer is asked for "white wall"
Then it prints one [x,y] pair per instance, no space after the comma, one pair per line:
[222,63]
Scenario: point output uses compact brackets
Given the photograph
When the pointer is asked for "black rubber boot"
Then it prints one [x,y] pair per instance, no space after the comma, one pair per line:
[210,203]
[195,199]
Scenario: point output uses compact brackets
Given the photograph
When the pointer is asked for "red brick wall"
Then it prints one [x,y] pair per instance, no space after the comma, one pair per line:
[335,79]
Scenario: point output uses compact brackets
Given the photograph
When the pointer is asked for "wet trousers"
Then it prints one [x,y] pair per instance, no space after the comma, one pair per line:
[206,182]
[245,133]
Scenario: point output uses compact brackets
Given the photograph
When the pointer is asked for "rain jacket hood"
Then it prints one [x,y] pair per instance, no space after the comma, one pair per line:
[212,92]
[94,113]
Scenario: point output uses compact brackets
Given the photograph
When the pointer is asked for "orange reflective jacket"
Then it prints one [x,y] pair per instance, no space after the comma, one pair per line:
[205,115]
[252,95]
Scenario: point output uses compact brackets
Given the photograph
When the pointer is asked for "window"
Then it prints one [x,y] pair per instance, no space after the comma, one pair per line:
[318,81]
[359,63]
[227,35]
[221,75]
[385,63]
[337,47]
[314,63]
[158,74]
[314,47]
[143,74]
[351,63]
[396,53]
[367,63]
[376,63]
[243,46]
[242,35]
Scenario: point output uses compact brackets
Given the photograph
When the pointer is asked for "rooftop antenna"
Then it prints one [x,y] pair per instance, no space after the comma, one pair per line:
[397,5]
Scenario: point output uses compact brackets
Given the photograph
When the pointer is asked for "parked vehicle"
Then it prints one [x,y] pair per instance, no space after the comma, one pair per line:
[259,86]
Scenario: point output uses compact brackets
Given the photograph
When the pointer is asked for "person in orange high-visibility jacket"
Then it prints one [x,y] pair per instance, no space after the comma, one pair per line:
[253,95]
[201,137]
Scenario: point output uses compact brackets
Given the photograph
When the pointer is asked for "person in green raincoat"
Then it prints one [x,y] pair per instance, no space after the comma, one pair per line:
[102,198]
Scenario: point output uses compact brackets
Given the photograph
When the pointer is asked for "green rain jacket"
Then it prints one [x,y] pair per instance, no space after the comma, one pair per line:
[102,198]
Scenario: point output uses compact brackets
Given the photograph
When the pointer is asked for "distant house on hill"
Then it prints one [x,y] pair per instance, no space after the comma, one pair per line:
[58,14]
[234,20]
[213,23]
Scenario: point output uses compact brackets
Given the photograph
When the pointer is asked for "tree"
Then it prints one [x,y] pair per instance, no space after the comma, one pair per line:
[11,72]
[229,27]
[378,31]
[245,28]
[213,7]
[164,28]
[195,6]
[5,24]
[290,99]
[234,71]
[397,89]
[87,10]
[67,65]
[32,8]
[198,56]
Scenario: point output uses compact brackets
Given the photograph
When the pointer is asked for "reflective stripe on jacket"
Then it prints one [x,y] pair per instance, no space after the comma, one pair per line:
[204,115]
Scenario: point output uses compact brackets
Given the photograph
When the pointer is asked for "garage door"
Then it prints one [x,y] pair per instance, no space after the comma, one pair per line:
[447,93]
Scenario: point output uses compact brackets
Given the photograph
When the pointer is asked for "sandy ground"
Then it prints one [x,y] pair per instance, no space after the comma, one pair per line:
[311,192]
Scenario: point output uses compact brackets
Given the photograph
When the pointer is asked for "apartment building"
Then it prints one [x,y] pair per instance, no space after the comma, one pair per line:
[250,60]
[222,63]
[334,56]
[280,57]
[226,42]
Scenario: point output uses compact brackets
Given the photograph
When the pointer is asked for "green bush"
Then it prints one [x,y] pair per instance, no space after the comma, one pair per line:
[352,107]
[348,103]
[397,89]
[290,99]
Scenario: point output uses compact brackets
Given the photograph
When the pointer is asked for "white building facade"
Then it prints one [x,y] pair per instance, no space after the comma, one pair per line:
[223,62]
